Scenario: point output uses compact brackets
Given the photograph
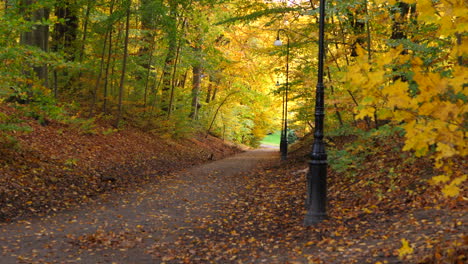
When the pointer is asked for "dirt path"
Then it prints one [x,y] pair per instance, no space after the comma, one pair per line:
[125,229]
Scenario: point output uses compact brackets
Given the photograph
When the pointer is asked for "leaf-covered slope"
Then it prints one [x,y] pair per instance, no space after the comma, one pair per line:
[60,165]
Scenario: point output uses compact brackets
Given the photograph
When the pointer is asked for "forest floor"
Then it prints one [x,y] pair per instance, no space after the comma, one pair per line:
[64,200]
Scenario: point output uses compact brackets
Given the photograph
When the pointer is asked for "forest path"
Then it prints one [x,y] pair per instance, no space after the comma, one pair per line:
[125,229]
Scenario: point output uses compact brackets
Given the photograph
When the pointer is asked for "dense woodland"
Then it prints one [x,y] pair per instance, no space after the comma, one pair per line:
[175,67]
[395,75]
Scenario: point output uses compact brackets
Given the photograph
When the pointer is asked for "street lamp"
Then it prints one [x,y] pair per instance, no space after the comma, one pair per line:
[317,175]
[282,117]
[284,133]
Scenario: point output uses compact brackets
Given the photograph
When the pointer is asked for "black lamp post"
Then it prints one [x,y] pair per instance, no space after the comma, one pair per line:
[317,175]
[282,118]
[284,133]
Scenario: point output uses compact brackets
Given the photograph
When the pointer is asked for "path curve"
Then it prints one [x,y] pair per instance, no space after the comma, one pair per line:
[121,229]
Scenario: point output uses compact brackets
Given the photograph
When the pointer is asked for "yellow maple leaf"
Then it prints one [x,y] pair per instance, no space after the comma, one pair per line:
[459,180]
[380,2]
[427,11]
[451,190]
[405,248]
[445,150]
[439,179]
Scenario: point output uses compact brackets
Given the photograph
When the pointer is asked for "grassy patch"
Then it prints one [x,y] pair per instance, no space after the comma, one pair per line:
[272,139]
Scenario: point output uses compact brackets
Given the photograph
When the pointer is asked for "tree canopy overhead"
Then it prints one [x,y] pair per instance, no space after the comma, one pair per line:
[180,66]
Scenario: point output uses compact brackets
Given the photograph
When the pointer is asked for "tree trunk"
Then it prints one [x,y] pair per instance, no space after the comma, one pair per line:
[208,92]
[215,91]
[196,83]
[85,30]
[358,27]
[113,82]
[173,80]
[217,110]
[170,57]
[124,65]
[65,33]
[148,73]
[109,55]
[38,36]
[337,111]
[99,77]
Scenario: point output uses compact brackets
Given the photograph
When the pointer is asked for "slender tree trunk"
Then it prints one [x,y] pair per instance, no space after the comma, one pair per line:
[337,111]
[460,59]
[173,80]
[113,82]
[89,6]
[148,73]
[65,32]
[108,61]
[55,84]
[154,91]
[183,80]
[343,39]
[170,57]
[217,110]
[106,74]
[369,50]
[124,65]
[196,83]
[208,92]
[99,77]
[38,36]
[215,91]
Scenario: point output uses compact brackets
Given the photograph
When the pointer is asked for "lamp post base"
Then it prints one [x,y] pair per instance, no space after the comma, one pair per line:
[313,218]
[316,203]
[284,149]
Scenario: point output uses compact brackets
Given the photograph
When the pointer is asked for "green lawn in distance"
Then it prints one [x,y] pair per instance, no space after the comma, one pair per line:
[273,139]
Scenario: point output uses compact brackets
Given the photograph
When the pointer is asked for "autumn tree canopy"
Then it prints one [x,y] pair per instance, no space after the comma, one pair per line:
[175,67]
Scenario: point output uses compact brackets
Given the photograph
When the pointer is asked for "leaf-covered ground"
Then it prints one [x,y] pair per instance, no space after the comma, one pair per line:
[61,165]
[247,208]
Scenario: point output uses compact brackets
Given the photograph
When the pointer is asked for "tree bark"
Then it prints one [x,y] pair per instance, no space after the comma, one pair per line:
[196,83]
[170,57]
[124,65]
[65,33]
[99,77]
[173,80]
[108,64]
[38,36]
[148,73]
[85,30]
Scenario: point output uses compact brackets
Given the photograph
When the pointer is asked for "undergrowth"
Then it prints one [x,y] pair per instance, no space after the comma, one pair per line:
[346,155]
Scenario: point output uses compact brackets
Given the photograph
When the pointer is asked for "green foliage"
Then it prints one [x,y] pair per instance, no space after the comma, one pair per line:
[86,126]
[343,161]
[292,137]
[347,158]
[9,124]
[109,131]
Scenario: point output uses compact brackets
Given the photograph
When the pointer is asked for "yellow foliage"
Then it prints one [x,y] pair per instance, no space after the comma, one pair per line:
[405,248]
[429,104]
[381,2]
[427,12]
[440,179]
[453,189]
